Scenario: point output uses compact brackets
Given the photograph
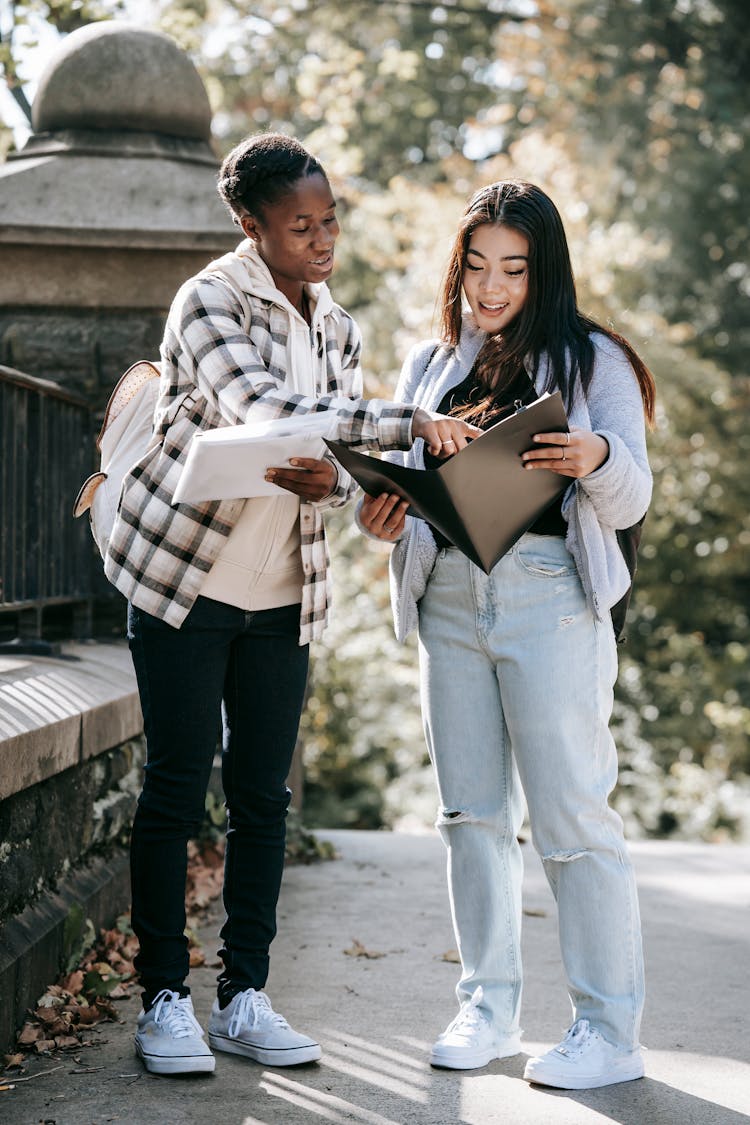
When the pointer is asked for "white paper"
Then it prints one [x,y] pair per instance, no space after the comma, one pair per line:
[230,463]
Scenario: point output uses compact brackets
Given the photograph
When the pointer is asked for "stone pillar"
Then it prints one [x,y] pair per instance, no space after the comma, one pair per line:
[107,209]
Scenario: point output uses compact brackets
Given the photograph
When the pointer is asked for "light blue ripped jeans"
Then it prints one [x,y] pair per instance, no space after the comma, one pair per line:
[517,683]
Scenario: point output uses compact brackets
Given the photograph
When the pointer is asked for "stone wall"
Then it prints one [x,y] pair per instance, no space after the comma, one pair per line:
[83,352]
[71,752]
[50,828]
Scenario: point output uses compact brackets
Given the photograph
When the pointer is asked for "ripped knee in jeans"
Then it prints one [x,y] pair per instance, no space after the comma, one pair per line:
[455,816]
[564,857]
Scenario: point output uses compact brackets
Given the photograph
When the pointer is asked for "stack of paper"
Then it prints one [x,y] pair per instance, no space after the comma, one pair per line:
[230,463]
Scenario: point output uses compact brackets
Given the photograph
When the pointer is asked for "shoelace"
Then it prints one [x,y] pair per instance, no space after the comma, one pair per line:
[469,1018]
[576,1038]
[173,1013]
[254,1008]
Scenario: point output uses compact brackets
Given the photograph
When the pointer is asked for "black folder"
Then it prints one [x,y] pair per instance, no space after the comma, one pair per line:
[481,499]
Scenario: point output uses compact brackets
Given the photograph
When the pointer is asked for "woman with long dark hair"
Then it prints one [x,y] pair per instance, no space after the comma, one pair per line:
[518,666]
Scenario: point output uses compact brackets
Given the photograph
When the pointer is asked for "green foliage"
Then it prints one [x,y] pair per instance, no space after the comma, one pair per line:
[361,730]
[303,846]
[384,86]
[654,95]
[685,670]
[22,20]
[78,935]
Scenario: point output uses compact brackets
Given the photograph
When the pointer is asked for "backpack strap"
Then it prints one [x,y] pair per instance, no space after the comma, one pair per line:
[184,400]
[628,540]
[126,388]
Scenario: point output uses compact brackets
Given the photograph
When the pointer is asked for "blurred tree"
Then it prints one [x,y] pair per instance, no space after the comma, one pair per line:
[21,20]
[362,730]
[655,92]
[685,669]
[385,86]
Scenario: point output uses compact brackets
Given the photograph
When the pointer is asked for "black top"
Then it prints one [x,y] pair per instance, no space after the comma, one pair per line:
[519,391]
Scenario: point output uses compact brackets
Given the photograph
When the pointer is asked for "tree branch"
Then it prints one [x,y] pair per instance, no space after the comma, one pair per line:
[21,100]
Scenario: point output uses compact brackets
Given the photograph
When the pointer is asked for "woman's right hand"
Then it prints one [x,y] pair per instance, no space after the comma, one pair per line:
[443,436]
[384,516]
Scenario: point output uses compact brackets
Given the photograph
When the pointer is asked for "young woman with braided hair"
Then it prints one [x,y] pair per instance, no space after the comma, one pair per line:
[518,666]
[225,596]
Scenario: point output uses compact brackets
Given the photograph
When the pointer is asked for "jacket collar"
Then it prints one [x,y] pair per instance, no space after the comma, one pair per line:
[247,271]
[471,339]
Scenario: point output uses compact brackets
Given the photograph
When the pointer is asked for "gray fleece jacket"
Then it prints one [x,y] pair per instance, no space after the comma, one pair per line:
[615,496]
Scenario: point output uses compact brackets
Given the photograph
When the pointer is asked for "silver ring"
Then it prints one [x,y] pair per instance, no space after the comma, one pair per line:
[450,441]
[567,439]
[387,527]
[563,456]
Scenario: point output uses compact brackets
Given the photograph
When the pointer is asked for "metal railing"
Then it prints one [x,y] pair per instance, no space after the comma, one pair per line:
[46,451]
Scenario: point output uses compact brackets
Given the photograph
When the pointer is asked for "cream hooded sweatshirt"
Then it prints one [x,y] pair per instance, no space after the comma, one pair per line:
[260,565]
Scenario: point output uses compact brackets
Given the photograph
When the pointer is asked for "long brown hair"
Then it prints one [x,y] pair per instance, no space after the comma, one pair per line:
[550,322]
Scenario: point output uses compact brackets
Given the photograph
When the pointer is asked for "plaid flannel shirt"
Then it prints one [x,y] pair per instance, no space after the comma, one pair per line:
[234,371]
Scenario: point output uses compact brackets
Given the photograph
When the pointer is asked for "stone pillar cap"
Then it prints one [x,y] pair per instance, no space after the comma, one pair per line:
[119,76]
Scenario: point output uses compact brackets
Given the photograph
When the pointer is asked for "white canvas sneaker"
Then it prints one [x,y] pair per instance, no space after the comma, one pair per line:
[469,1040]
[249,1026]
[584,1061]
[169,1038]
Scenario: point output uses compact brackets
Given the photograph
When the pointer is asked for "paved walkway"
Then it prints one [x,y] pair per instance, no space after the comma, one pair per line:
[376,1016]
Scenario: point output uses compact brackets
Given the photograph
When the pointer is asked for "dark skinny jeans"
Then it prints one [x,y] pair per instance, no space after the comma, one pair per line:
[249,670]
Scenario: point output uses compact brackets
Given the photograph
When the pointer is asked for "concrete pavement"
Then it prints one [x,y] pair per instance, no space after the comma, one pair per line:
[377,1015]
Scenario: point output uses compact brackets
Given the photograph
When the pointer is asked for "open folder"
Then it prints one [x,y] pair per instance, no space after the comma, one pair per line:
[230,463]
[482,499]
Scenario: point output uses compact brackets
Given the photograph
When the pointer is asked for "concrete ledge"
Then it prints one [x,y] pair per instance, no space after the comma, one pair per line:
[56,713]
[36,944]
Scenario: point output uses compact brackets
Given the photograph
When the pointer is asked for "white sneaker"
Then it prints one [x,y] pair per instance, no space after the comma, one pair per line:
[249,1026]
[584,1061]
[469,1040]
[169,1038]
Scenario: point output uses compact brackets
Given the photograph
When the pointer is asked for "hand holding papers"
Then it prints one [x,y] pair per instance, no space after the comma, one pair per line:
[482,499]
[230,463]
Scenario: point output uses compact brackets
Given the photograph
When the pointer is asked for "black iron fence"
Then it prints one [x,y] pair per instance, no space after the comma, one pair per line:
[46,558]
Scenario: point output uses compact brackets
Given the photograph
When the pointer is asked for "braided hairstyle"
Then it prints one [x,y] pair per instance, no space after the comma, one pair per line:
[550,320]
[261,170]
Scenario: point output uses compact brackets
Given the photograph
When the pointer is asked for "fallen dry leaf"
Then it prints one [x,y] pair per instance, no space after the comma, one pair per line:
[106,1008]
[55,1021]
[66,1042]
[73,982]
[53,997]
[205,875]
[29,1035]
[103,968]
[452,956]
[532,913]
[358,950]
[87,1015]
[13,1060]
[122,967]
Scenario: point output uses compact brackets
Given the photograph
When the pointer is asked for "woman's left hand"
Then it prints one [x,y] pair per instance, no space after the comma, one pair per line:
[575,454]
[310,479]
